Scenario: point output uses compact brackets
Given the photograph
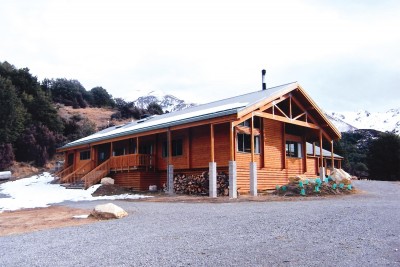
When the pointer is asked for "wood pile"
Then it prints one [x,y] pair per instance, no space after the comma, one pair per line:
[199,184]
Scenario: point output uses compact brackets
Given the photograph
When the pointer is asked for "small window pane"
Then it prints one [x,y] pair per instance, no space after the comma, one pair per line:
[293,149]
[257,144]
[85,155]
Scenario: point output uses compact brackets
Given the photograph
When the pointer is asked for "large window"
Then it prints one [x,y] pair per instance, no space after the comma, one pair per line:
[176,147]
[85,155]
[293,149]
[244,143]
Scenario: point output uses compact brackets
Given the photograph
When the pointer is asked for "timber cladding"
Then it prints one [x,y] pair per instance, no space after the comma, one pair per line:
[273,140]
[137,180]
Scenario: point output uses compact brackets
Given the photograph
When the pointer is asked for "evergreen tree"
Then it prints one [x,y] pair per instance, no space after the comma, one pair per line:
[384,158]
[154,108]
[12,113]
[38,144]
[6,156]
[68,92]
[101,98]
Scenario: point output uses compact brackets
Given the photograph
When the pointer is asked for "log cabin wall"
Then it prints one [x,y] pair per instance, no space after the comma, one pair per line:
[180,161]
[80,162]
[312,165]
[138,180]
[221,144]
[200,145]
[274,172]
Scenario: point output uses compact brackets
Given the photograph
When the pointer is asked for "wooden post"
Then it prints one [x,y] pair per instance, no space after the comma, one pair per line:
[232,163]
[212,142]
[305,154]
[262,154]
[284,145]
[231,142]
[290,106]
[169,146]
[170,167]
[137,145]
[332,160]
[321,157]
[111,149]
[188,150]
[252,139]
[92,157]
[154,164]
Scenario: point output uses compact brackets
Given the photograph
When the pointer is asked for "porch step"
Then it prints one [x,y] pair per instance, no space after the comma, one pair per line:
[77,185]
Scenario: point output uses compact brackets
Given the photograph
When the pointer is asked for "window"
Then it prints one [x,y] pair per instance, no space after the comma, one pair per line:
[247,123]
[146,149]
[244,143]
[85,155]
[176,147]
[102,156]
[293,149]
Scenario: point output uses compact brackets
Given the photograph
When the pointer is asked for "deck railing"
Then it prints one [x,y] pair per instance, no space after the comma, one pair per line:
[131,162]
[62,173]
[95,175]
[78,173]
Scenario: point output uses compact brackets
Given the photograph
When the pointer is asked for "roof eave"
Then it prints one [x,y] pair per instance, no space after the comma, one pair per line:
[148,129]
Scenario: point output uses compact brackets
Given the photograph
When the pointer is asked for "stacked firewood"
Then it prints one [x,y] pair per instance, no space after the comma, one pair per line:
[199,184]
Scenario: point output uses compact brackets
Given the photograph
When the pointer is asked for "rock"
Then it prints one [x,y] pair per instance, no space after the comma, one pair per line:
[108,211]
[107,181]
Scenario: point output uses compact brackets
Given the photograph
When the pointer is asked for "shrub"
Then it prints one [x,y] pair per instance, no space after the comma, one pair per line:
[6,156]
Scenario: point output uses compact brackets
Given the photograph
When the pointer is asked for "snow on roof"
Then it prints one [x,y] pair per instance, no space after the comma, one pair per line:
[196,113]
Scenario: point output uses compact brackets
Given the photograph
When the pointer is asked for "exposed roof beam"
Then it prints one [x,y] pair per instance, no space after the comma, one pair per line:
[287,120]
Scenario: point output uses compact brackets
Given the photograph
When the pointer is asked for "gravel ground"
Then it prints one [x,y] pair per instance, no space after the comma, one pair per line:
[355,230]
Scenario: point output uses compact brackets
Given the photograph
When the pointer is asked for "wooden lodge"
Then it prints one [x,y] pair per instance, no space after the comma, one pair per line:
[260,139]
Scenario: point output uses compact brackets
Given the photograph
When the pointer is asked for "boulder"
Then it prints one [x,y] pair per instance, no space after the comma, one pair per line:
[107,181]
[340,176]
[108,211]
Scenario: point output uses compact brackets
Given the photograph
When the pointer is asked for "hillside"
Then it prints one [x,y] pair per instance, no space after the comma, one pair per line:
[101,117]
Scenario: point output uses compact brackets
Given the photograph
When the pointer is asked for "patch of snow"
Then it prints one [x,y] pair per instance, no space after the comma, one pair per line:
[37,191]
[83,216]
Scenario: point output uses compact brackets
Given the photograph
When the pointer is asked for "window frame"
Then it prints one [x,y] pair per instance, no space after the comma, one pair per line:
[245,146]
[176,147]
[293,149]
[84,155]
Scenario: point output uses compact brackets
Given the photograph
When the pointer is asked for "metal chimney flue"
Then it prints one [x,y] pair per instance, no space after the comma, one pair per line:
[264,83]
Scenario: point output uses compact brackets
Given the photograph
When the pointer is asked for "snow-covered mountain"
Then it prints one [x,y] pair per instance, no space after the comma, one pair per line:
[388,121]
[167,102]
[341,125]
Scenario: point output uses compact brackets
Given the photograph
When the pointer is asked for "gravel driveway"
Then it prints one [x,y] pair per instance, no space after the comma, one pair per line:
[356,230]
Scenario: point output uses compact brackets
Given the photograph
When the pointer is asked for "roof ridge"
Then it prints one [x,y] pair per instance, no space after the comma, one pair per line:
[241,95]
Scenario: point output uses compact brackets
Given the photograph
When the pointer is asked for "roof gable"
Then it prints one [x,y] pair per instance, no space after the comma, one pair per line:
[239,105]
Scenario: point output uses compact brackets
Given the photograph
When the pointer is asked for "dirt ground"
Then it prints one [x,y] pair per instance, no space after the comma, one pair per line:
[30,220]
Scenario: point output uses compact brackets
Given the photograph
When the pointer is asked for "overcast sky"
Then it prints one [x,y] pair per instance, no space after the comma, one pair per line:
[345,55]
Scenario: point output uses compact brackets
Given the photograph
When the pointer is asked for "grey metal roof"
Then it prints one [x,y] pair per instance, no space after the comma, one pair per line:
[325,153]
[211,110]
